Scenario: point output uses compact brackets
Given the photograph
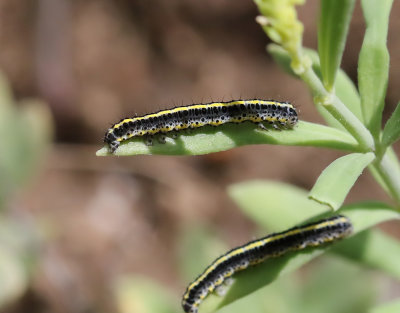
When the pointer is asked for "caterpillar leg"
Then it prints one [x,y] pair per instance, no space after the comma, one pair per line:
[162,138]
[283,126]
[114,146]
[276,126]
[221,290]
[148,141]
[262,126]
[229,281]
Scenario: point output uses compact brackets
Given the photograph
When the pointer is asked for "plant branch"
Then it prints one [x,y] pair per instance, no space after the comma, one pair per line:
[387,167]
[388,170]
[337,109]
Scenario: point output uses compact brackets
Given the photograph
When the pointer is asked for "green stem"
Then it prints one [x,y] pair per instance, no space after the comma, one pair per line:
[336,107]
[388,170]
[386,167]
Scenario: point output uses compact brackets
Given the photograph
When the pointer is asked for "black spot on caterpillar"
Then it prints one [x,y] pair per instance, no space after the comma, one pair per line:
[257,251]
[277,114]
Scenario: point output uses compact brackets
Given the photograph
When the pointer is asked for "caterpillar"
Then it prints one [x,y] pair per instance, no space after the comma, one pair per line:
[278,114]
[257,251]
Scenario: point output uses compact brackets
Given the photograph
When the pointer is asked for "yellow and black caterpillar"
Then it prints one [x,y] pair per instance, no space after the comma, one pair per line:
[278,114]
[257,251]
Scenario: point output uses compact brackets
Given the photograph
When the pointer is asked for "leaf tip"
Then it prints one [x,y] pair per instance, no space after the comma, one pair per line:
[103,152]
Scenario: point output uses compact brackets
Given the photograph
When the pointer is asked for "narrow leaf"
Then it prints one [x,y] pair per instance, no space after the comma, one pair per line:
[391,133]
[213,139]
[373,62]
[332,33]
[336,180]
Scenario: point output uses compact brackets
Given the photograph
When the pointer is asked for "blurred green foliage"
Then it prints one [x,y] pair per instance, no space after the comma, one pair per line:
[139,294]
[25,132]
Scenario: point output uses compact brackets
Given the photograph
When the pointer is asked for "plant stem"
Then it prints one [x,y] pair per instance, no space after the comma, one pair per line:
[336,107]
[388,169]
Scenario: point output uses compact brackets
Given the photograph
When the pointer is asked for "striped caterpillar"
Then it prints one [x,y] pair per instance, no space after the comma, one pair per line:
[257,251]
[277,114]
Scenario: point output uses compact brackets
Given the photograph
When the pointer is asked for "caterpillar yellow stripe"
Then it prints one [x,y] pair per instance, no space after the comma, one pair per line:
[257,251]
[277,114]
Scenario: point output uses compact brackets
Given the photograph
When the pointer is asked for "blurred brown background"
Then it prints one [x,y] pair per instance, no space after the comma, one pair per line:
[94,62]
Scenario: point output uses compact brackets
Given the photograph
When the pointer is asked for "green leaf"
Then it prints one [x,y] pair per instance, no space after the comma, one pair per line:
[391,133]
[278,206]
[282,296]
[391,307]
[335,182]
[368,247]
[344,87]
[274,205]
[362,215]
[310,293]
[213,139]
[373,62]
[324,291]
[332,33]
[257,277]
